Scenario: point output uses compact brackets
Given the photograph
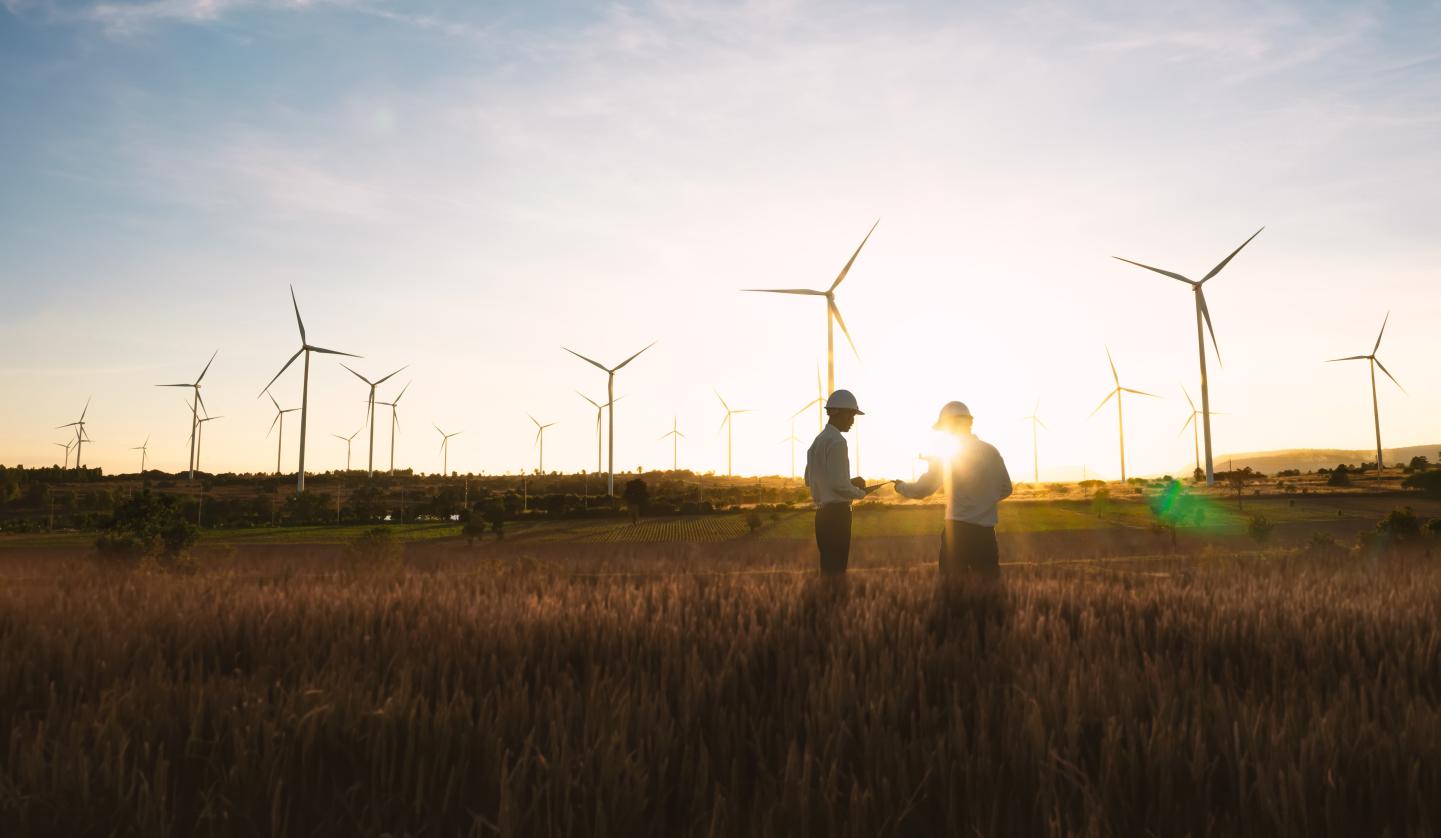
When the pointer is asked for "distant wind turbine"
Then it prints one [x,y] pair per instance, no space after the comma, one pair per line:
[200,435]
[1035,420]
[1203,318]
[444,449]
[819,403]
[792,439]
[728,426]
[143,448]
[67,445]
[675,437]
[1120,413]
[80,436]
[833,313]
[305,348]
[280,420]
[1194,425]
[599,412]
[540,441]
[370,414]
[610,404]
[394,405]
[196,404]
[1375,362]
[347,440]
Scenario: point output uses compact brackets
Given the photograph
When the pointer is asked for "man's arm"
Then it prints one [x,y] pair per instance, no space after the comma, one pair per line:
[838,471]
[926,486]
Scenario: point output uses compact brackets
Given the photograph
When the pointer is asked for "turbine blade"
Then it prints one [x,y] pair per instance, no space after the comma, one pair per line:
[402,392]
[802,291]
[1189,420]
[847,269]
[1188,398]
[274,402]
[282,370]
[1350,358]
[633,357]
[1157,270]
[383,380]
[85,410]
[1042,424]
[836,313]
[1227,260]
[588,398]
[723,422]
[1390,376]
[1206,315]
[1374,349]
[272,425]
[1140,392]
[174,385]
[1103,402]
[532,419]
[298,321]
[356,374]
[207,367]
[594,363]
[331,352]
[1112,362]
[723,401]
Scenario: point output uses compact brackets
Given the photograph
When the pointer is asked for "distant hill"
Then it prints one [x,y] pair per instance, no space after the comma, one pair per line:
[1310,459]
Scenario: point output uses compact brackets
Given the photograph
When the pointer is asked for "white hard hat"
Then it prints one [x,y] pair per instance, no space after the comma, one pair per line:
[844,400]
[952,410]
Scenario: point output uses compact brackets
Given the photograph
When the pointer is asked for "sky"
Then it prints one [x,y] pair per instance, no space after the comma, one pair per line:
[467,188]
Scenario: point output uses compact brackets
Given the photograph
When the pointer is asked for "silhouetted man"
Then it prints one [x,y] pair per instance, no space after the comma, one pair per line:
[828,475]
[976,479]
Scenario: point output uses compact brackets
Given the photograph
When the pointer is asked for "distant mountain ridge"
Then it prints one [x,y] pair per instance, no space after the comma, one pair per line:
[1310,459]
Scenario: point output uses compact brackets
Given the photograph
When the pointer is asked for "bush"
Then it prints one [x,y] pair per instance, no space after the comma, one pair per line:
[1259,528]
[376,547]
[1323,544]
[1400,525]
[149,528]
[1427,481]
[1433,527]
[1340,477]
[754,520]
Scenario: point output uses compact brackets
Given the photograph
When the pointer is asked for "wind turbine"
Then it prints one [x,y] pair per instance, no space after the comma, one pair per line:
[728,426]
[675,437]
[80,436]
[143,449]
[195,405]
[792,439]
[67,445]
[610,403]
[370,414]
[540,440]
[305,348]
[347,440]
[394,405]
[819,402]
[1120,414]
[1194,426]
[200,435]
[279,419]
[1035,420]
[599,410]
[1375,403]
[1203,318]
[833,313]
[444,449]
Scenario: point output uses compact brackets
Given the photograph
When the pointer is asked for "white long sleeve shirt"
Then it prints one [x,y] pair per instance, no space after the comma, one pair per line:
[828,469]
[978,481]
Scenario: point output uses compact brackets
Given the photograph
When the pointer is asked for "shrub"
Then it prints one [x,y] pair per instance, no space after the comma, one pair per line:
[1400,525]
[149,528]
[1427,481]
[1259,528]
[376,547]
[754,520]
[1433,527]
[1340,477]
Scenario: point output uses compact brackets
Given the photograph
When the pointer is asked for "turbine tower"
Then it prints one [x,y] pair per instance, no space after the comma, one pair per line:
[833,313]
[610,403]
[306,348]
[279,419]
[1120,413]
[370,415]
[80,436]
[347,440]
[1375,362]
[394,405]
[1035,420]
[675,437]
[599,410]
[728,426]
[143,448]
[444,449]
[540,441]
[196,404]
[1203,319]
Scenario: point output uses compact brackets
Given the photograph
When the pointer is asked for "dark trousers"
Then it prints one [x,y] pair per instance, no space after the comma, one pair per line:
[969,550]
[833,537]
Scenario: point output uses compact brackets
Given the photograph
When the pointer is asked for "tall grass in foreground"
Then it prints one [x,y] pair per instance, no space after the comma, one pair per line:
[1222,702]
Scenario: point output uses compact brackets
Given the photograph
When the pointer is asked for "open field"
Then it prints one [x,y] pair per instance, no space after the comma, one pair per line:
[1167,695]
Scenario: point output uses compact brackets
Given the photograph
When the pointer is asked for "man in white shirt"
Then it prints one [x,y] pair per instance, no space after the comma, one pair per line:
[976,478]
[828,475]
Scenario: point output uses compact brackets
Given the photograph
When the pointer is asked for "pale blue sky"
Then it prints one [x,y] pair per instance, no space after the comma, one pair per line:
[465,187]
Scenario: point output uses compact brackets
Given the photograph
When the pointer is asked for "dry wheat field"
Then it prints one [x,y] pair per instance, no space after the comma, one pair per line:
[1264,695]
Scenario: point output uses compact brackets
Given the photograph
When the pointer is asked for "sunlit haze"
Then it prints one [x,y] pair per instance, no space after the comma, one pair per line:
[468,188]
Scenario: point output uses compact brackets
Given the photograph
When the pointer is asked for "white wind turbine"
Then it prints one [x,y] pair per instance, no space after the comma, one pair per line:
[1193,423]
[1120,413]
[1035,420]
[1374,362]
[143,448]
[280,420]
[833,313]
[196,404]
[305,348]
[1203,318]
[67,445]
[394,405]
[370,415]
[444,449]
[200,436]
[610,403]
[540,441]
[675,436]
[599,412]
[819,403]
[347,440]
[792,439]
[728,426]
[81,437]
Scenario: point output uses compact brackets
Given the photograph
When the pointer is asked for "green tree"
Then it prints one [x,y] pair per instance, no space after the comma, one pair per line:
[148,527]
[636,496]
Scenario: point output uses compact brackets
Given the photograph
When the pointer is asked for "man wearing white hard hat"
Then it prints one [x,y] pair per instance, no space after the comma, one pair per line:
[976,478]
[828,475]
